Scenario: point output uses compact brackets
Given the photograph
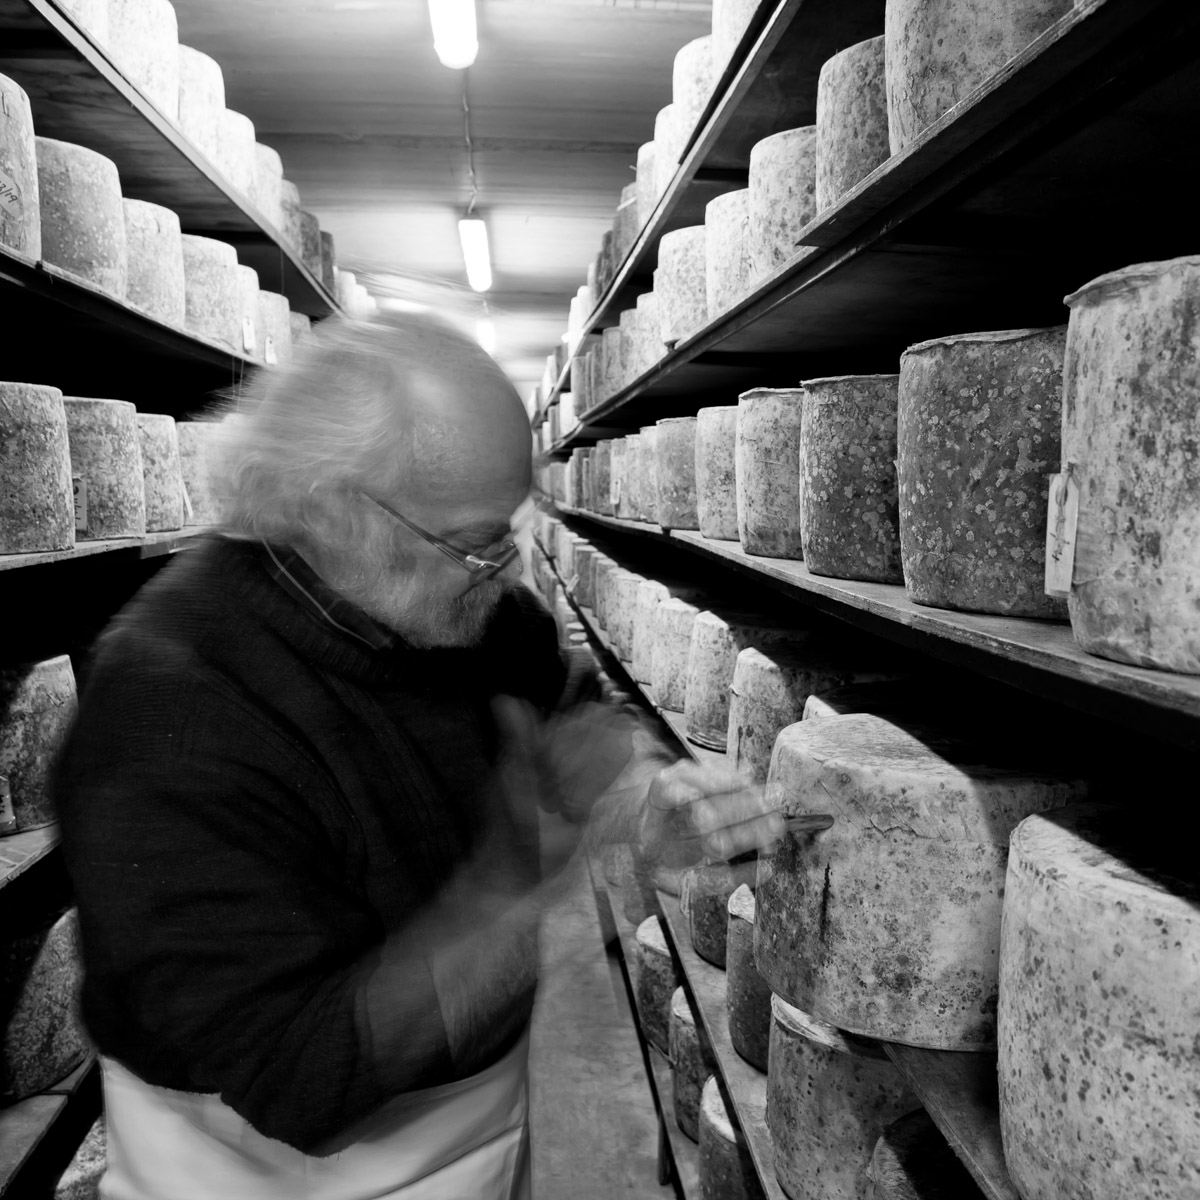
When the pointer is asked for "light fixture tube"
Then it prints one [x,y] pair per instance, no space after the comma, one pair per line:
[455,36]
[472,232]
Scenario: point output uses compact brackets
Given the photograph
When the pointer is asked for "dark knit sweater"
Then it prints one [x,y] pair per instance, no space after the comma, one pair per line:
[252,801]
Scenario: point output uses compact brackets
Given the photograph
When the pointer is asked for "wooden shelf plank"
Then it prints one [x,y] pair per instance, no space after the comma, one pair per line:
[20,851]
[152,545]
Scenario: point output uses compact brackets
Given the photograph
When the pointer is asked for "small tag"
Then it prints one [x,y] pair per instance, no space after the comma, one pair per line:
[188,511]
[269,356]
[11,202]
[1062,521]
[249,341]
[8,818]
[79,488]
[572,583]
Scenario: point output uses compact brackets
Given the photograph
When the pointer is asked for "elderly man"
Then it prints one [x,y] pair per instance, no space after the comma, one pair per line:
[299,805]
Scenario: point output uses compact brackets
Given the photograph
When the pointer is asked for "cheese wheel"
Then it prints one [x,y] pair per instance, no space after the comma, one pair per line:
[143,40]
[939,51]
[681,284]
[210,275]
[612,348]
[650,594]
[669,138]
[692,1063]
[747,993]
[978,433]
[310,241]
[852,123]
[704,892]
[197,448]
[618,476]
[767,471]
[649,334]
[647,473]
[575,478]
[670,651]
[716,472]
[328,258]
[81,1179]
[91,16]
[585,562]
[728,266]
[83,222]
[625,225]
[289,200]
[630,499]
[201,100]
[727,1169]
[647,183]
[565,557]
[236,155]
[620,610]
[922,818]
[849,522]
[783,177]
[691,85]
[20,211]
[730,21]
[268,183]
[273,319]
[912,1161]
[41,1040]
[675,473]
[154,248]
[1099,1008]
[161,474]
[36,507]
[37,706]
[829,1097]
[106,458]
[604,591]
[657,980]
[637,900]
[717,639]
[601,498]
[346,283]
[1129,428]
[301,327]
[250,341]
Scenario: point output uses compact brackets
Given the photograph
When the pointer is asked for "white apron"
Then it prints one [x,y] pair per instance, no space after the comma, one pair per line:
[463,1141]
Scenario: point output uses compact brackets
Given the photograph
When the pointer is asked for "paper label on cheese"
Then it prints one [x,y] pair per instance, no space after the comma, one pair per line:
[188,511]
[573,582]
[8,818]
[11,202]
[269,355]
[249,341]
[79,490]
[1062,522]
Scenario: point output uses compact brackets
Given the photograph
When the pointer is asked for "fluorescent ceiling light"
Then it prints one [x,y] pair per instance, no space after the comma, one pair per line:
[485,334]
[455,38]
[472,232]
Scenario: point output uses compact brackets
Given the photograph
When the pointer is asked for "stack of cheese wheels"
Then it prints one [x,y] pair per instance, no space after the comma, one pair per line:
[680,282]
[1129,426]
[618,477]
[829,1097]
[728,268]
[273,319]
[163,479]
[92,15]
[852,124]
[704,892]
[236,153]
[849,522]
[692,1063]
[106,459]
[691,85]
[978,432]
[310,241]
[783,174]
[922,820]
[201,99]
[675,473]
[154,252]
[657,980]
[40,1037]
[912,1161]
[37,706]
[36,508]
[268,182]
[717,639]
[602,478]
[328,258]
[767,472]
[747,993]
[625,223]
[143,40]
[197,446]
[83,222]
[939,51]
[251,342]
[289,205]
[20,212]
[620,610]
[210,276]
[647,183]
[670,651]
[1099,1007]
[716,471]
[669,137]
[727,1169]
[730,21]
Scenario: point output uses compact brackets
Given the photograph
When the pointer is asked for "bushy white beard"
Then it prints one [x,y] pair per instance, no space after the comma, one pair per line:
[400,604]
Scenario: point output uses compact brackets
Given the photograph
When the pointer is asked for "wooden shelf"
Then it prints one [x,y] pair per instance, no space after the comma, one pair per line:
[20,851]
[153,545]
[1037,656]
[79,95]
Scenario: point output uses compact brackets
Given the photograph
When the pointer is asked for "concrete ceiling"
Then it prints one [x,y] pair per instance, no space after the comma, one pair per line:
[373,130]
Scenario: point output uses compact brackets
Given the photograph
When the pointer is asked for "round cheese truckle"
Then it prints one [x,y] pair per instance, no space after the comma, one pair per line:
[650,594]
[37,706]
[747,993]
[691,85]
[602,568]
[310,241]
[912,1161]
[201,100]
[92,16]
[783,176]
[638,903]
[163,479]
[730,20]
[852,123]
[669,138]
[236,153]
[704,892]
[670,650]
[106,458]
[675,473]
[888,923]
[1099,1008]
[83,222]
[273,319]
[290,227]
[727,1170]
[978,434]
[692,1063]
[680,284]
[622,604]
[1129,429]
[618,476]
[585,562]
[643,475]
[767,471]
[197,446]
[849,523]
[20,208]
[36,506]
[939,51]
[728,266]
[630,497]
[647,183]
[648,334]
[716,472]
[829,1097]
[212,290]
[657,980]
[602,478]
[717,639]
[154,250]
[268,183]
[143,40]
[611,377]
[301,327]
